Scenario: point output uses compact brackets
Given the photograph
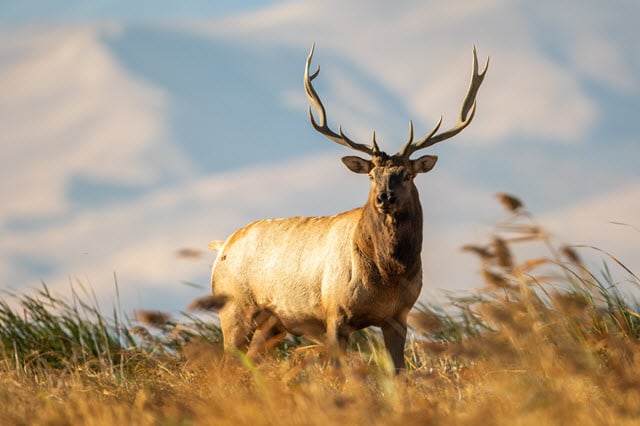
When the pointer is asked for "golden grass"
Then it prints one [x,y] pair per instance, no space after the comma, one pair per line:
[530,373]
[545,343]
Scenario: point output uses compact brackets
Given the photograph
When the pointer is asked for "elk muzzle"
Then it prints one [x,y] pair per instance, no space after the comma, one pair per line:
[385,201]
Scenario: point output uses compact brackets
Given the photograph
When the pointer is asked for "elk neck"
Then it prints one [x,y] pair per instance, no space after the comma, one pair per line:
[391,243]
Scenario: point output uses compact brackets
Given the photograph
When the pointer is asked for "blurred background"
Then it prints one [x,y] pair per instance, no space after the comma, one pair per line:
[133,133]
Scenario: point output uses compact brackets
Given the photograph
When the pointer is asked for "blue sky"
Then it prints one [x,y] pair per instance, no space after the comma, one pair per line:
[134,129]
[45,12]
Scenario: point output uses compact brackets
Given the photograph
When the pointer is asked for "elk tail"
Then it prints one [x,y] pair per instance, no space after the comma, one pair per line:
[215,245]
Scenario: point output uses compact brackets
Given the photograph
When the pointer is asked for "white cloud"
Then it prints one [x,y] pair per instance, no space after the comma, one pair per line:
[68,109]
[139,240]
[604,60]
[596,40]
[587,223]
[419,50]
[590,223]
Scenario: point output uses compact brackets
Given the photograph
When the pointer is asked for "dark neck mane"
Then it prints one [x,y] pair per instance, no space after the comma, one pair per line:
[391,243]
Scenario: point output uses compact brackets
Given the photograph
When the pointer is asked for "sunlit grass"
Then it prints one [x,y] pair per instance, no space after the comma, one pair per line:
[545,340]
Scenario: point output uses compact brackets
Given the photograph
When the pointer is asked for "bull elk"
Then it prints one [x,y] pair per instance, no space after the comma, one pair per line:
[325,277]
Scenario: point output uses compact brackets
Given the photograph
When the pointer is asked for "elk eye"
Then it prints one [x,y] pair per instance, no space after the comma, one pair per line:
[407,177]
[370,177]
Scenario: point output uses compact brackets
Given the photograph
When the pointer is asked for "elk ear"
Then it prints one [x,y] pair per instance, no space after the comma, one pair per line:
[423,164]
[357,164]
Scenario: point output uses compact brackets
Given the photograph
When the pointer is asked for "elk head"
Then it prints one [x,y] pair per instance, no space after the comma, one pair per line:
[392,175]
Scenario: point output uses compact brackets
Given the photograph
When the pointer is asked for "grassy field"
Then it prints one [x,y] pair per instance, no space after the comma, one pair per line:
[545,341]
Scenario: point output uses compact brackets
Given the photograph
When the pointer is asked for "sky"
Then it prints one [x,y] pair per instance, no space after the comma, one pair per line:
[133,130]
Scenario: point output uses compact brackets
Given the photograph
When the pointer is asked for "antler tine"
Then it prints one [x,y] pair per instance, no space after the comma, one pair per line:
[375,144]
[321,125]
[409,147]
[466,114]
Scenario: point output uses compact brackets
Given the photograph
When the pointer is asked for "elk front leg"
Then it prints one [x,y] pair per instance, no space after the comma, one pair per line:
[395,333]
[336,340]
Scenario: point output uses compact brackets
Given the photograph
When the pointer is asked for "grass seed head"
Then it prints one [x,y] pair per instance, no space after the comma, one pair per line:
[208,303]
[482,252]
[188,253]
[511,203]
[153,318]
[495,280]
[426,322]
[502,253]
[571,255]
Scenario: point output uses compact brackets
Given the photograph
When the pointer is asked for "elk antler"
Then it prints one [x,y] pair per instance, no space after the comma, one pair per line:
[466,115]
[321,126]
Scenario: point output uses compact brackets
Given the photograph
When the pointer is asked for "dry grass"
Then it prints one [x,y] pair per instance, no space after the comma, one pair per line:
[545,342]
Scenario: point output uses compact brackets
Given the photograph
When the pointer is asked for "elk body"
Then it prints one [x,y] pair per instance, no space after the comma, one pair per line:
[325,277]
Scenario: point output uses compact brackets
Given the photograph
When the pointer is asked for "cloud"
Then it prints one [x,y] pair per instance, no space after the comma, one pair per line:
[68,110]
[603,60]
[597,44]
[420,51]
[608,221]
[456,213]
[139,240]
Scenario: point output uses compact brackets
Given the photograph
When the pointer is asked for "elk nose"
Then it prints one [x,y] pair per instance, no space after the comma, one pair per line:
[386,197]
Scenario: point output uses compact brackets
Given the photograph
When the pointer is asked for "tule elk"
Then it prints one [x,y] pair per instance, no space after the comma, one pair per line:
[325,277]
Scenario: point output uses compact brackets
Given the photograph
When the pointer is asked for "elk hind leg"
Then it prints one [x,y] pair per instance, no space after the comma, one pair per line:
[268,334]
[237,328]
